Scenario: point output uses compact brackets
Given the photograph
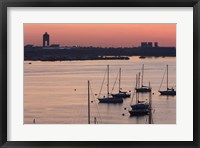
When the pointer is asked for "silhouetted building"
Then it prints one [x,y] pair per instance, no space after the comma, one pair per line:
[46,39]
[149,44]
[156,44]
[143,44]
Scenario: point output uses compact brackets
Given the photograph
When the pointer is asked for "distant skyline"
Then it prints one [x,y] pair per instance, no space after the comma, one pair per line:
[101,35]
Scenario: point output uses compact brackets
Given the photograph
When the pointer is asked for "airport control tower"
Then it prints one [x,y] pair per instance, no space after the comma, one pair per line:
[46,39]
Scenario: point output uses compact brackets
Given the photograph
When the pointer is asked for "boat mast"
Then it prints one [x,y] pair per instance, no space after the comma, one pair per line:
[136,85]
[139,80]
[167,77]
[88,102]
[142,75]
[119,79]
[137,97]
[150,106]
[150,97]
[108,82]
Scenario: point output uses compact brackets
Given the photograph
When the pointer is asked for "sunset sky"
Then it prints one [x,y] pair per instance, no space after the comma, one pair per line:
[104,35]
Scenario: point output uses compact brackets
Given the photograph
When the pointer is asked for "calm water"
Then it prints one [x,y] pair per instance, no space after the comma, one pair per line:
[56,92]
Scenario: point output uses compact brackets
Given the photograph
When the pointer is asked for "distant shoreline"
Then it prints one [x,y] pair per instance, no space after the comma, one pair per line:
[79,54]
[99,58]
[127,58]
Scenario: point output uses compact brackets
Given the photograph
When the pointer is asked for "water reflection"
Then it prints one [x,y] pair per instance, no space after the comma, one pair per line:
[56,92]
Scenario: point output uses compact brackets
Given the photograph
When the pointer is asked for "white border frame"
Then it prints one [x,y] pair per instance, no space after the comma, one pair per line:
[182,131]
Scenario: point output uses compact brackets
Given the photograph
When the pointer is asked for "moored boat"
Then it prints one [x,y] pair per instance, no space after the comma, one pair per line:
[142,88]
[140,107]
[169,91]
[120,94]
[109,98]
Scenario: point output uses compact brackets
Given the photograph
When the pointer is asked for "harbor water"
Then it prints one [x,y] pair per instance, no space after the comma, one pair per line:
[56,92]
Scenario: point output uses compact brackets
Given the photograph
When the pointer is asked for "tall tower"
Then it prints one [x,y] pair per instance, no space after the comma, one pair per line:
[46,39]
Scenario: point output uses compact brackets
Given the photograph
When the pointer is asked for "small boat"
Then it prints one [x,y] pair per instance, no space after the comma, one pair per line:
[109,98]
[142,88]
[141,107]
[169,91]
[121,94]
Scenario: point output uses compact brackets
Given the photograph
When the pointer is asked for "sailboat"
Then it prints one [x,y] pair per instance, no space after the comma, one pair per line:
[141,107]
[143,88]
[109,98]
[121,94]
[169,91]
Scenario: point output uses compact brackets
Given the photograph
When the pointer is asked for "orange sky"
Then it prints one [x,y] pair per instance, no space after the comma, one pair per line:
[104,35]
